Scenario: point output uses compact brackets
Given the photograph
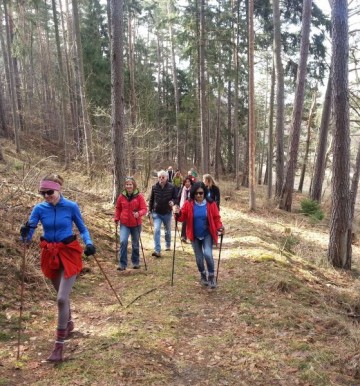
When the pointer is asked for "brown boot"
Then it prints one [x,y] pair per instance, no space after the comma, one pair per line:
[57,354]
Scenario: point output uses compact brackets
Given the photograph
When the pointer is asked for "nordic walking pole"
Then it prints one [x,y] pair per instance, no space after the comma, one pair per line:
[23,266]
[116,241]
[149,216]
[181,242]
[218,266]
[142,248]
[173,262]
[107,279]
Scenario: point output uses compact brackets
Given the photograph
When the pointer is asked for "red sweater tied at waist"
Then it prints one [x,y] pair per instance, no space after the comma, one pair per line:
[57,255]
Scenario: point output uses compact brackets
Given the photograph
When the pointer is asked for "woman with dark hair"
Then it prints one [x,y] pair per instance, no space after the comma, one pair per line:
[203,227]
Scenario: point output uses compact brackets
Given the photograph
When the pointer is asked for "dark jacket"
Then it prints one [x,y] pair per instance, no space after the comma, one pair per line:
[214,192]
[160,197]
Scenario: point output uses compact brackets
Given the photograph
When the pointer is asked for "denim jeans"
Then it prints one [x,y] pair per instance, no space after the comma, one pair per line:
[125,232]
[203,250]
[158,220]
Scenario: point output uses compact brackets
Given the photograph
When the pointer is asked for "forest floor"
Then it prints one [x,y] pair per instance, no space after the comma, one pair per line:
[279,316]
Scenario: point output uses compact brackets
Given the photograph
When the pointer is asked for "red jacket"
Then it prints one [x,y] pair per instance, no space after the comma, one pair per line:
[69,255]
[213,216]
[126,206]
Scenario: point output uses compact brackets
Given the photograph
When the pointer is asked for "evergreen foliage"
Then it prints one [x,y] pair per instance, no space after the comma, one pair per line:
[312,208]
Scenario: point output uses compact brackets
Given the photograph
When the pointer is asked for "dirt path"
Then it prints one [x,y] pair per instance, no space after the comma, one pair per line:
[273,320]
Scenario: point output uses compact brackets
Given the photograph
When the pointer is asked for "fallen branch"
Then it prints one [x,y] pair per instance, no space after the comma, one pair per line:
[138,297]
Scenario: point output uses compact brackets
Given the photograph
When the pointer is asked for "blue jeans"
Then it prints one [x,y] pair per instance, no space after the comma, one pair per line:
[158,220]
[203,250]
[124,237]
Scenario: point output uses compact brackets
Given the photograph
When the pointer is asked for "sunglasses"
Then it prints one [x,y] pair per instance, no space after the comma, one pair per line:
[199,193]
[47,192]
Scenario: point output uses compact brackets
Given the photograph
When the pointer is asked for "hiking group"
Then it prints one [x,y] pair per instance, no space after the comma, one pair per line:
[194,203]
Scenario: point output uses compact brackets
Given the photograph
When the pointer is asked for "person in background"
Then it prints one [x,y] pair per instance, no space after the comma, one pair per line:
[61,252]
[190,175]
[177,181]
[171,174]
[185,196]
[213,190]
[194,172]
[162,199]
[130,207]
[203,225]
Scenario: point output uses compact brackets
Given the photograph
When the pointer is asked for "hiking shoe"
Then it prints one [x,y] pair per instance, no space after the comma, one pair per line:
[183,240]
[136,266]
[156,254]
[203,279]
[212,282]
[167,249]
[121,268]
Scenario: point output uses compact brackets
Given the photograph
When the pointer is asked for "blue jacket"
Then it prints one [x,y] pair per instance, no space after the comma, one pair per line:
[57,221]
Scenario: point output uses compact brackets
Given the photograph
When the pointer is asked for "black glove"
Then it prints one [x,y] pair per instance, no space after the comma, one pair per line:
[90,250]
[25,230]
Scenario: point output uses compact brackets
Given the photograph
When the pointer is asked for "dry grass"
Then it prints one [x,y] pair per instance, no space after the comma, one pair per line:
[280,315]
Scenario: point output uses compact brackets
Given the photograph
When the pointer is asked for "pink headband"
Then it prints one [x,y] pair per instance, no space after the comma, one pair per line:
[44,184]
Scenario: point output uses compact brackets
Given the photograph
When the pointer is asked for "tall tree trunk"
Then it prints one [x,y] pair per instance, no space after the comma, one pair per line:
[204,124]
[117,94]
[236,8]
[176,87]
[89,154]
[354,185]
[6,59]
[218,129]
[271,134]
[252,129]
[63,98]
[308,139]
[287,189]
[320,164]
[229,161]
[67,32]
[2,158]
[131,66]
[14,106]
[280,100]
[3,124]
[339,251]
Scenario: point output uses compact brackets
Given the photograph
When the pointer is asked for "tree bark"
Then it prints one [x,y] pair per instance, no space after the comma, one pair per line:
[204,124]
[14,106]
[252,129]
[308,139]
[320,164]
[63,122]
[279,100]
[89,154]
[339,251]
[117,94]
[287,189]
[271,135]
[176,89]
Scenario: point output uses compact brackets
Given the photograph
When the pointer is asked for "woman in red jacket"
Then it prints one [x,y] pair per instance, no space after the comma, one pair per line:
[203,226]
[130,207]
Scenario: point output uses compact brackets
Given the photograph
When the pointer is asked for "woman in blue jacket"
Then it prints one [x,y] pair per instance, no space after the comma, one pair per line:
[61,253]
